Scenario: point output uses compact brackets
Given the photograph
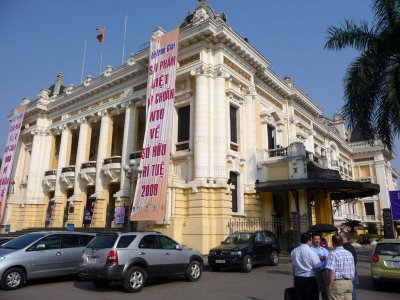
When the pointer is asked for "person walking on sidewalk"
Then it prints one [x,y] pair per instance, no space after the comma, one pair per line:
[349,247]
[323,255]
[341,268]
[305,263]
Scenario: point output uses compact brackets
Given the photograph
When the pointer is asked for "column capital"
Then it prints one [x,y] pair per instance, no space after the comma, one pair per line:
[103,113]
[251,92]
[199,71]
[126,104]
[220,72]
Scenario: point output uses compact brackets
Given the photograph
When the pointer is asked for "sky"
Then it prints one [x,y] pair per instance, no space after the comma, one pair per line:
[43,37]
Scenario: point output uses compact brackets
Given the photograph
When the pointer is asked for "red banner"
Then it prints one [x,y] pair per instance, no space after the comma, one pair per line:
[151,188]
[9,152]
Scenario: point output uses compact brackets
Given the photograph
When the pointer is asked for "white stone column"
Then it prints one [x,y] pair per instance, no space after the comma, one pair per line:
[220,131]
[250,137]
[45,158]
[104,151]
[381,180]
[201,128]
[82,155]
[63,158]
[34,167]
[127,145]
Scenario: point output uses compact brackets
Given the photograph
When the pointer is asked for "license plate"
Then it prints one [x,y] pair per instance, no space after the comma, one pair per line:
[91,260]
[220,261]
[396,264]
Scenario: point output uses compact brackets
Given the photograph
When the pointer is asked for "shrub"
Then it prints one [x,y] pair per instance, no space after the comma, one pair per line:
[372,229]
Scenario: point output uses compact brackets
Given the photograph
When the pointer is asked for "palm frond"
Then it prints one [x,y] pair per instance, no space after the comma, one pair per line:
[350,35]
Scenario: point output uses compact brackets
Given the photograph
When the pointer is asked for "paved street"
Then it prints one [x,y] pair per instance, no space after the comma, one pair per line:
[263,282]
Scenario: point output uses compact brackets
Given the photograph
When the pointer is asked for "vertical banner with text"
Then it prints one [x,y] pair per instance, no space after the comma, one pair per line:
[151,187]
[9,152]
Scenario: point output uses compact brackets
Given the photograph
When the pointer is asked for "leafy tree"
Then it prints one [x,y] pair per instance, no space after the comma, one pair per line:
[372,81]
[352,224]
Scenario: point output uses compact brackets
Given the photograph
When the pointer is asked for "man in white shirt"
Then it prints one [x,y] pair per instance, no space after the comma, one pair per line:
[305,263]
[322,254]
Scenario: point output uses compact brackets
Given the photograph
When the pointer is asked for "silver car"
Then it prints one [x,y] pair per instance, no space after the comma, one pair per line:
[132,257]
[41,254]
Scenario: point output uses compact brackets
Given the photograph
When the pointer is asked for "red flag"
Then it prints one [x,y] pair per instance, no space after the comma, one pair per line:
[100,37]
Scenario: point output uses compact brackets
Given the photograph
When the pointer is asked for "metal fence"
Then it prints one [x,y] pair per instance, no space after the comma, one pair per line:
[287,230]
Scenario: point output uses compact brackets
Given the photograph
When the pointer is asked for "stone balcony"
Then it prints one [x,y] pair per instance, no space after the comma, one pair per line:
[68,176]
[50,177]
[271,154]
[88,172]
[112,168]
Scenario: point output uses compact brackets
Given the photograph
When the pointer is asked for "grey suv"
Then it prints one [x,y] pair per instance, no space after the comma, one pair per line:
[41,254]
[135,256]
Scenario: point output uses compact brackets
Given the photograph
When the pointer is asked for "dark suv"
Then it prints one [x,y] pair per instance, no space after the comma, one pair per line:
[132,257]
[244,249]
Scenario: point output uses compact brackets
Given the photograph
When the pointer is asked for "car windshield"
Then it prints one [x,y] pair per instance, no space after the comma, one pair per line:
[103,241]
[22,241]
[388,249]
[237,238]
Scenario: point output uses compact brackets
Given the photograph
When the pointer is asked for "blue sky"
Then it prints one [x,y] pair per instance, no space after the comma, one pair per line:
[42,37]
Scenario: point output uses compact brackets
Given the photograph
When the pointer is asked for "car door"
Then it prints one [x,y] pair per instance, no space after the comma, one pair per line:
[46,257]
[174,259]
[150,251]
[71,253]
[260,247]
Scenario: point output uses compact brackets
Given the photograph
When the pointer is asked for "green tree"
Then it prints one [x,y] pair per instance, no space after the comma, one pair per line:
[372,81]
[352,224]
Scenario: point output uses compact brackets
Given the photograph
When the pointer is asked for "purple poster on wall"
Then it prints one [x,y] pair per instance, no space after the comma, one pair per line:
[395,204]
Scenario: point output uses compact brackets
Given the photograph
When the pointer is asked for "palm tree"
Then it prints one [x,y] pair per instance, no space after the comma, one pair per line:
[352,224]
[372,81]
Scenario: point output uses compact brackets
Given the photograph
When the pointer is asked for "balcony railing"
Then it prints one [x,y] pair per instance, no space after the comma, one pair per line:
[135,155]
[88,165]
[50,172]
[370,218]
[264,154]
[367,179]
[182,146]
[68,169]
[112,160]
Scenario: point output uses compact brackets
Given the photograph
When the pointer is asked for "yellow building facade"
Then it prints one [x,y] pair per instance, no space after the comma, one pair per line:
[249,149]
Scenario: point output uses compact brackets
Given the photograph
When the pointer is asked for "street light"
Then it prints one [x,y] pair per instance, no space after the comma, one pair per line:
[132,172]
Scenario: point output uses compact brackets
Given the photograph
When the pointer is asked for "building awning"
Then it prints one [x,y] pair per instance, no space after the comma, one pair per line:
[339,189]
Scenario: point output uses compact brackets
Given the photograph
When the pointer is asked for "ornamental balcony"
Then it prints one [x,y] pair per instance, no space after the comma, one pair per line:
[68,176]
[271,154]
[112,168]
[50,177]
[88,172]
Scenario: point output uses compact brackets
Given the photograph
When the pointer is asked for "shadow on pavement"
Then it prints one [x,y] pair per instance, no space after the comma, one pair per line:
[366,284]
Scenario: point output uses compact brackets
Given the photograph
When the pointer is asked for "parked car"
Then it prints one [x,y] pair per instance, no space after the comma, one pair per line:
[385,263]
[133,257]
[40,254]
[245,249]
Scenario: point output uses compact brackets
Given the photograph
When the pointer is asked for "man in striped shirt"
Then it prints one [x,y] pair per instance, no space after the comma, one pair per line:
[341,268]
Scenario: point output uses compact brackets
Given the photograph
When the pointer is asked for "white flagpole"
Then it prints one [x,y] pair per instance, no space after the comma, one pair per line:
[83,62]
[123,44]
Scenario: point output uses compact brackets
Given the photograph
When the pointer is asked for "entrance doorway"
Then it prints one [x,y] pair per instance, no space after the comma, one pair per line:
[89,203]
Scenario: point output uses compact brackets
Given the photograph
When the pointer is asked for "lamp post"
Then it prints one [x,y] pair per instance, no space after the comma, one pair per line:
[132,172]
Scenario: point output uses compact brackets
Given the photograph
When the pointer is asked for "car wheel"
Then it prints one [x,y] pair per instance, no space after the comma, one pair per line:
[273,258]
[214,268]
[194,270]
[247,264]
[13,279]
[101,283]
[376,284]
[134,279]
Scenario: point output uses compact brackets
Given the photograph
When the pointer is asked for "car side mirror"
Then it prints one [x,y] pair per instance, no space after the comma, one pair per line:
[40,247]
[178,247]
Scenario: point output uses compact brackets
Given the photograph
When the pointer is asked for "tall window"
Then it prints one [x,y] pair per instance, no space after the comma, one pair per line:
[183,124]
[234,181]
[369,209]
[233,123]
[271,137]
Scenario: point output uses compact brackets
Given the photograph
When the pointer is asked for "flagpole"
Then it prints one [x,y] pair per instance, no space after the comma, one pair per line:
[123,44]
[83,62]
[102,48]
